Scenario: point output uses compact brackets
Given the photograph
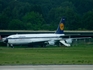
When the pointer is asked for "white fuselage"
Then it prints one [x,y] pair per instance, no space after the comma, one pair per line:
[31,38]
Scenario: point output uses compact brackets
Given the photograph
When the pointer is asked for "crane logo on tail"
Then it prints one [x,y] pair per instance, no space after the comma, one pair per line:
[61,26]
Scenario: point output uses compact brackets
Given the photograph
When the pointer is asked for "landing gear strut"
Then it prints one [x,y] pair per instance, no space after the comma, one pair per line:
[10,45]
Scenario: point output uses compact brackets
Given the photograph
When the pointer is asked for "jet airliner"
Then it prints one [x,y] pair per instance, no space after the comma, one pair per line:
[40,39]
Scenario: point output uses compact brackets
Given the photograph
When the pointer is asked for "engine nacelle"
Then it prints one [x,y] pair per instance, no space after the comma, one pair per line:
[69,41]
[52,42]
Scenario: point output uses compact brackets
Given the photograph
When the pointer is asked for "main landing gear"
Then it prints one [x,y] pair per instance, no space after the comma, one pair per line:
[10,45]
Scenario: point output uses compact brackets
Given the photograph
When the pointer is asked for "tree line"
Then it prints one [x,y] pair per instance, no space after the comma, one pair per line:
[45,14]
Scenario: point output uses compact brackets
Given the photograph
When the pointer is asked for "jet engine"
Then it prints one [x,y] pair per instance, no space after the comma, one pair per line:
[52,42]
[69,41]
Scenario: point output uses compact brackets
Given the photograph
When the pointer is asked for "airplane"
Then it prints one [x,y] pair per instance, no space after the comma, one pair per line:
[41,39]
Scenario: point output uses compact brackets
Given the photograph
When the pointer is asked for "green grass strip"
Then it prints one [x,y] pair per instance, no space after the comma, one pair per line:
[81,54]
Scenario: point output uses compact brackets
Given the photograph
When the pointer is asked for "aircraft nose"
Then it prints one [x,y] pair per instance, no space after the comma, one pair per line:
[5,40]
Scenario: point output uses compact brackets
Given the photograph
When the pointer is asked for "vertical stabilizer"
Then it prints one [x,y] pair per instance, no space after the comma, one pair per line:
[60,29]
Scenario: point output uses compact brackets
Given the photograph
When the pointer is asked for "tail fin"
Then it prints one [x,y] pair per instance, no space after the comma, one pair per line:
[60,29]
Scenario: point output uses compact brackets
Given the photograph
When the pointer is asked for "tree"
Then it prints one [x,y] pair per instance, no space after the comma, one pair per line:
[4,20]
[88,20]
[47,13]
[68,10]
[16,24]
[33,20]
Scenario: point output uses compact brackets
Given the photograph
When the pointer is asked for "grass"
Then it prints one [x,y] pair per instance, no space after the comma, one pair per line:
[80,54]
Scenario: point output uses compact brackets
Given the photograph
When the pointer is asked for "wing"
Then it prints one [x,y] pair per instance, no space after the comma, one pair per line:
[75,36]
[67,40]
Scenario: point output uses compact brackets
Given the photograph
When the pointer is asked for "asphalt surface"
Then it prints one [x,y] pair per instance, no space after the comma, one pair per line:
[48,67]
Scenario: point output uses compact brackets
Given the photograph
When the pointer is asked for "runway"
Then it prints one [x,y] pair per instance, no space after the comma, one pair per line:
[48,67]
